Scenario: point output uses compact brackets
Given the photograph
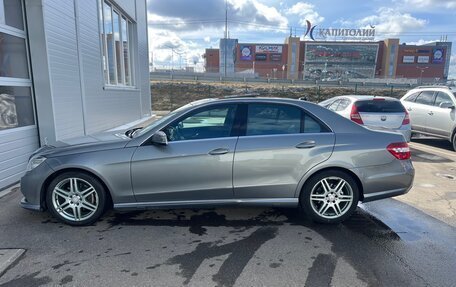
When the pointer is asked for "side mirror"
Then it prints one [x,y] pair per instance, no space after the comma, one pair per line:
[446,105]
[160,138]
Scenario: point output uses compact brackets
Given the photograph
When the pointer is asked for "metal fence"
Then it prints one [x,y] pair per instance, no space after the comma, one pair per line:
[248,78]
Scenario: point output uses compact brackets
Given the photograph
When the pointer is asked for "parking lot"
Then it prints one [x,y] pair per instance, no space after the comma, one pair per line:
[403,241]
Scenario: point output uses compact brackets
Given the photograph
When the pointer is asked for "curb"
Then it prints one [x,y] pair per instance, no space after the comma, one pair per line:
[8,257]
[9,190]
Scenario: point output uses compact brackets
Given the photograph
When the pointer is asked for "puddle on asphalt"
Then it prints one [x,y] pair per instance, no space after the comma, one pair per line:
[446,176]
[420,156]
[252,228]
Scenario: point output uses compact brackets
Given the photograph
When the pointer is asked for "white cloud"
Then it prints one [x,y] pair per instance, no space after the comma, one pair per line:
[188,27]
[305,11]
[271,14]
[391,22]
[430,4]
[421,42]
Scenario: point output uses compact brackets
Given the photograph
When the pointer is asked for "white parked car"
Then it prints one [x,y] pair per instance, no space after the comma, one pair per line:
[433,111]
[379,113]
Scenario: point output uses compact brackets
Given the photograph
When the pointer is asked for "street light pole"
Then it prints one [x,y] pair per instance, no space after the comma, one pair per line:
[421,73]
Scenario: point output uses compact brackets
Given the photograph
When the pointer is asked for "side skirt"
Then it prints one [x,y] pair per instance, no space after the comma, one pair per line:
[278,202]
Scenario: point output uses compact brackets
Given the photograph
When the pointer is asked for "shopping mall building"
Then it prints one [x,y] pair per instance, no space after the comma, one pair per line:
[331,60]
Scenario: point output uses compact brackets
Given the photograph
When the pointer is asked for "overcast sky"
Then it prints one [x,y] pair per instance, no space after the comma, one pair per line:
[190,26]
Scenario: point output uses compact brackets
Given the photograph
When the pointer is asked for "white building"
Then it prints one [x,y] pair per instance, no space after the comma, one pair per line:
[68,68]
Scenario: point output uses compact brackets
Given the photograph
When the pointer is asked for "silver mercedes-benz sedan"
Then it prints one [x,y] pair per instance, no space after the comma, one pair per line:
[233,151]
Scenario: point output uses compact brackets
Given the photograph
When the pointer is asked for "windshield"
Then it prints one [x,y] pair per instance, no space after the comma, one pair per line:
[379,106]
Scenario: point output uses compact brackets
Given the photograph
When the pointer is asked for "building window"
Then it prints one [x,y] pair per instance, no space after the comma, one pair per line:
[16,99]
[115,30]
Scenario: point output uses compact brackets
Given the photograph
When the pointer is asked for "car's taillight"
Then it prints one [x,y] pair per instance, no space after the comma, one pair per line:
[400,150]
[354,115]
[406,120]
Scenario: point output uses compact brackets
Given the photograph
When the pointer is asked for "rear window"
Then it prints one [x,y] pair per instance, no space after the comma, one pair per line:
[379,106]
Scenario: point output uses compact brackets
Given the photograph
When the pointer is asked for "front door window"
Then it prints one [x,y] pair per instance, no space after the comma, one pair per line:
[211,122]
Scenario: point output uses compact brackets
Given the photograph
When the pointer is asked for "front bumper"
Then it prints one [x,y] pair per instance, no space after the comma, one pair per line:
[383,181]
[27,205]
[32,187]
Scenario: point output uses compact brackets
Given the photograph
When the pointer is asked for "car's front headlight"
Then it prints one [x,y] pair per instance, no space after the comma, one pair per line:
[34,162]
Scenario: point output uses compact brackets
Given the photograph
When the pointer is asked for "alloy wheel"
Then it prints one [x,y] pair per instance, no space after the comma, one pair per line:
[331,197]
[75,199]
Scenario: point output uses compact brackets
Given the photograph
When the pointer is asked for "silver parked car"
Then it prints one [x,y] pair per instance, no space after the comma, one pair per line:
[432,111]
[243,151]
[379,113]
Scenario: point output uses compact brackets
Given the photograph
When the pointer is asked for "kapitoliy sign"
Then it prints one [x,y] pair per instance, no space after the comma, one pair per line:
[246,52]
[366,34]
[276,49]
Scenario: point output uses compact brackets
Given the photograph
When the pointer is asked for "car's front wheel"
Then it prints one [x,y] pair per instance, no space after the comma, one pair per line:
[454,141]
[76,198]
[330,196]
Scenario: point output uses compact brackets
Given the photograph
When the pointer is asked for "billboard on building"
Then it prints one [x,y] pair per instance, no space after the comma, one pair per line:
[437,55]
[276,57]
[261,57]
[408,59]
[227,55]
[340,61]
[246,52]
[277,49]
[423,59]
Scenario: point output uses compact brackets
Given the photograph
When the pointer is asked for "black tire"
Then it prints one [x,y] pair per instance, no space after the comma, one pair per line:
[314,184]
[98,196]
[454,141]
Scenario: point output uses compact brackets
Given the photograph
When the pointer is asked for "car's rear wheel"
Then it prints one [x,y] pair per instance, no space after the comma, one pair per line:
[330,196]
[76,198]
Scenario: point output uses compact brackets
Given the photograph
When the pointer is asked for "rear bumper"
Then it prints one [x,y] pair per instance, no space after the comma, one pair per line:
[383,181]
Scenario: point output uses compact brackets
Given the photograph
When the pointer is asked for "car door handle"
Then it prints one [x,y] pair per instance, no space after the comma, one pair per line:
[306,144]
[430,113]
[219,151]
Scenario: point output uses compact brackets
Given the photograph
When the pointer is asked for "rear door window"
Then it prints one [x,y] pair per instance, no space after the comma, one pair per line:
[379,106]
[333,106]
[425,98]
[270,119]
[343,105]
[273,119]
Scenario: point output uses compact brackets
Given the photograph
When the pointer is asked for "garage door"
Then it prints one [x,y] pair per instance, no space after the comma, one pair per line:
[18,131]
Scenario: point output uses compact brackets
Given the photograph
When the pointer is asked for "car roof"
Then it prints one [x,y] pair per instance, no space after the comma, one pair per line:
[434,88]
[247,99]
[366,97]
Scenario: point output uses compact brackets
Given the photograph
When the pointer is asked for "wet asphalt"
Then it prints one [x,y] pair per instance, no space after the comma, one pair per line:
[386,243]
